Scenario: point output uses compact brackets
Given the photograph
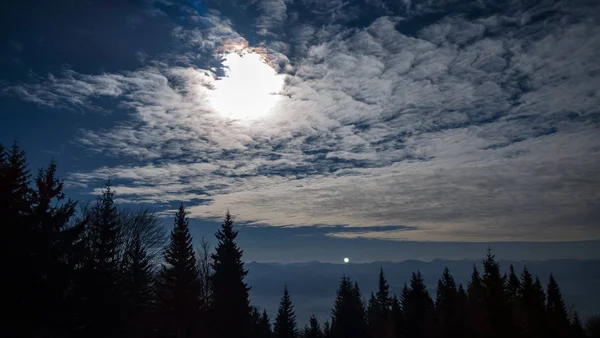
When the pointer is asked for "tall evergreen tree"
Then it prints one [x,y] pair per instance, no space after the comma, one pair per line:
[104,241]
[100,277]
[463,310]
[14,242]
[37,234]
[348,314]
[379,310]
[418,308]
[313,329]
[447,304]
[230,293]
[557,323]
[360,310]
[398,320]
[476,308]
[285,322]
[530,307]
[53,242]
[178,285]
[261,326]
[138,289]
[265,326]
[497,307]
[513,286]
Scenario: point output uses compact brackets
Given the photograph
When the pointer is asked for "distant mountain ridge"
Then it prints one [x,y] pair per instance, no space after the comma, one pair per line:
[312,285]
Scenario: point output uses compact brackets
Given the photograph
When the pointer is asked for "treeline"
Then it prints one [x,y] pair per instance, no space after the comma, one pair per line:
[101,270]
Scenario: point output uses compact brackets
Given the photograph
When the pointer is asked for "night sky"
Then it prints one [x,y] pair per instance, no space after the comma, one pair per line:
[368,129]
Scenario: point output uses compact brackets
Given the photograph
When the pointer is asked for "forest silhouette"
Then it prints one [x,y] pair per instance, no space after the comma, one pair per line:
[100,269]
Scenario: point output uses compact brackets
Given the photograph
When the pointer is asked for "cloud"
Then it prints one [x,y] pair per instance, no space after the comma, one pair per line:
[462,129]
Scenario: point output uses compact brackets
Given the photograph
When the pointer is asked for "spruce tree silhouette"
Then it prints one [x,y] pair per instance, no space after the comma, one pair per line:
[418,308]
[313,329]
[495,298]
[476,307]
[53,242]
[557,322]
[15,196]
[463,311]
[230,293]
[513,287]
[138,289]
[379,310]
[398,319]
[348,317]
[101,272]
[285,322]
[178,286]
[362,327]
[265,326]
[447,304]
[529,309]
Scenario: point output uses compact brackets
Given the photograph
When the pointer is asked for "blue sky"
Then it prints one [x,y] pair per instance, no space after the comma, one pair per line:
[405,129]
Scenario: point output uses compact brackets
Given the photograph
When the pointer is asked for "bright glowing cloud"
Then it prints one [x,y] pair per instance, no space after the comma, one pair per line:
[249,90]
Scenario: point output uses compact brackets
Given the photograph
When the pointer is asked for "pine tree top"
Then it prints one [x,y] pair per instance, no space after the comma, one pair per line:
[285,322]
[383,297]
[179,254]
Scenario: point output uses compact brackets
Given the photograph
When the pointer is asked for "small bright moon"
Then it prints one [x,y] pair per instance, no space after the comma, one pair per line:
[346,260]
[249,89]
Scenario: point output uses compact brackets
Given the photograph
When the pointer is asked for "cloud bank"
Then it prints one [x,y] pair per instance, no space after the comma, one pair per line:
[462,121]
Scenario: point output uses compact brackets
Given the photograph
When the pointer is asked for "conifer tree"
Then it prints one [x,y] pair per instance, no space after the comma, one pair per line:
[178,285]
[576,327]
[101,274]
[447,306]
[313,329]
[463,311]
[379,310]
[14,242]
[138,289]
[53,242]
[383,297]
[360,312]
[326,329]
[513,286]
[348,314]
[497,308]
[418,308]
[397,318]
[265,326]
[103,238]
[530,307]
[261,326]
[476,307]
[285,322]
[557,319]
[373,314]
[230,293]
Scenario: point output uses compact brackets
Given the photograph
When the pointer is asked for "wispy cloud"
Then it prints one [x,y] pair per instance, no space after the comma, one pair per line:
[479,129]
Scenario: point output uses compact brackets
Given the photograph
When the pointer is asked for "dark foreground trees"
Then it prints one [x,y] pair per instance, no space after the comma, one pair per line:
[106,272]
[231,305]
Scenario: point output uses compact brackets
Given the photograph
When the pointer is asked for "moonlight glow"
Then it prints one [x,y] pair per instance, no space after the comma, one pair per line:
[346,260]
[249,89]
